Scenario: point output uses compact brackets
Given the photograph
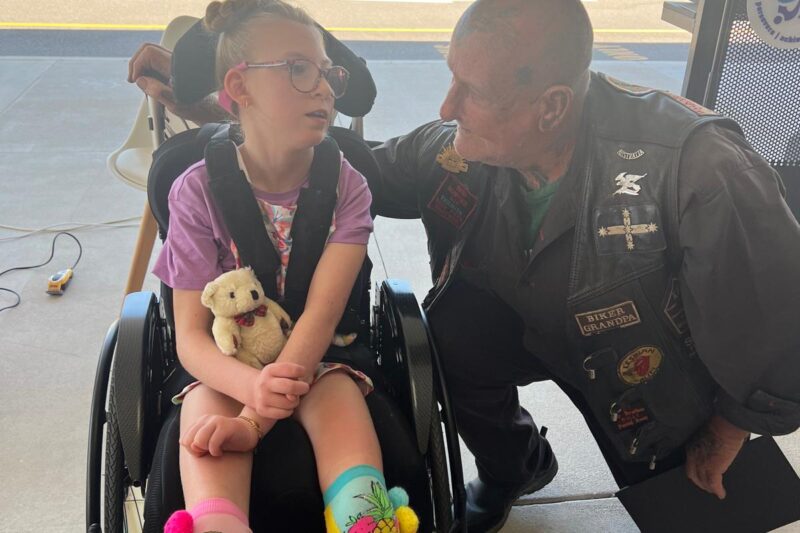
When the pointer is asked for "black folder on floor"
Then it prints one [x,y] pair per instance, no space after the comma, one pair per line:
[763,493]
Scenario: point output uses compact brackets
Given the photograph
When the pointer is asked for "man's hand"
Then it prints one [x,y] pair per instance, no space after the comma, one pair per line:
[277,390]
[215,434]
[150,69]
[710,453]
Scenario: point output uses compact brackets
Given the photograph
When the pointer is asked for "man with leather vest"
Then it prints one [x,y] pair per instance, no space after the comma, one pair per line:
[626,243]
[623,242]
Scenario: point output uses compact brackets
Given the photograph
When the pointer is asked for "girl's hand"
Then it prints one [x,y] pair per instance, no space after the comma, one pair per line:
[215,434]
[277,390]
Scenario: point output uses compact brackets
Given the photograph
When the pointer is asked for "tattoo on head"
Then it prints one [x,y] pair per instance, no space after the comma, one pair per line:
[524,75]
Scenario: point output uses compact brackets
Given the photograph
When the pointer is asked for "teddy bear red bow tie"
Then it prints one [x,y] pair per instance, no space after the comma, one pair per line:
[249,318]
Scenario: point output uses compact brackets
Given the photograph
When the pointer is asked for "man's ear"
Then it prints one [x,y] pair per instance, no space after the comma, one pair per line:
[207,298]
[234,84]
[556,104]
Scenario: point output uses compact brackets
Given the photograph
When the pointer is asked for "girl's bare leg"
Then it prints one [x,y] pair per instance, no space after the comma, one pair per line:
[336,418]
[207,477]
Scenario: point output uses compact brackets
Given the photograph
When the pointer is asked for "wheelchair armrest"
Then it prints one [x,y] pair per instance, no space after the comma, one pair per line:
[135,377]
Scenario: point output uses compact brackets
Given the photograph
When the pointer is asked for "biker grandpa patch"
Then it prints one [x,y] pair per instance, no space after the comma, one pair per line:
[639,365]
[617,316]
[453,201]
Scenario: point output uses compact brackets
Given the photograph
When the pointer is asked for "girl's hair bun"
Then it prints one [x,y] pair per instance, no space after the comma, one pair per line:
[227,14]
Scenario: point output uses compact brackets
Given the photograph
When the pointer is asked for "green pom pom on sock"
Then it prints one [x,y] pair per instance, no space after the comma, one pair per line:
[398,496]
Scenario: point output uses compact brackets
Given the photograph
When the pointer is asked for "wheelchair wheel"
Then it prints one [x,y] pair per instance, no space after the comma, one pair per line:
[400,337]
[116,486]
[439,473]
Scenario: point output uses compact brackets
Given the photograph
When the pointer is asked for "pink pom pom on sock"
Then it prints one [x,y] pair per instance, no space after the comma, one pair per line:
[179,522]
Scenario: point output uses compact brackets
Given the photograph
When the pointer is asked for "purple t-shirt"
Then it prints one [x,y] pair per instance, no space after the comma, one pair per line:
[198,245]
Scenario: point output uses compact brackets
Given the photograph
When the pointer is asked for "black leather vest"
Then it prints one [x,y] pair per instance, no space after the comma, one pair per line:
[641,374]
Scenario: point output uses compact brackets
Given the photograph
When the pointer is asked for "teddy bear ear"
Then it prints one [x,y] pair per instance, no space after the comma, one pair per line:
[208,294]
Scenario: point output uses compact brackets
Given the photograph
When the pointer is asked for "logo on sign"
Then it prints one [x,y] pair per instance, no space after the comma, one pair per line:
[777,22]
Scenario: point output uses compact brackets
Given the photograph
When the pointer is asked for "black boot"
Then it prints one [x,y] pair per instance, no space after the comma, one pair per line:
[489,504]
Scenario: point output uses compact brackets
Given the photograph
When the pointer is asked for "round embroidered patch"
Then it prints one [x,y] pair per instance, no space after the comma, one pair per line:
[639,365]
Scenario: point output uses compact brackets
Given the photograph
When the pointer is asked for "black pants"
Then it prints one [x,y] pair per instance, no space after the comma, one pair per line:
[479,339]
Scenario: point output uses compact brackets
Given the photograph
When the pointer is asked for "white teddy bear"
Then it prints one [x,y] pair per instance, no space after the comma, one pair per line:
[247,324]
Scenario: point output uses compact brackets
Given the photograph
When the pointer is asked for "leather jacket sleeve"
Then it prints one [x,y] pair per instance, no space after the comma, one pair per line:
[407,165]
[740,280]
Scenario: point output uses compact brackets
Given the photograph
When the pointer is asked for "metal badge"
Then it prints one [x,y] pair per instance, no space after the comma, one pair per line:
[627,183]
[449,159]
[639,365]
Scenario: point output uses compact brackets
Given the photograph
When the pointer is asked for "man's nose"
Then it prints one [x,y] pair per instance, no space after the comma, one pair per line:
[450,106]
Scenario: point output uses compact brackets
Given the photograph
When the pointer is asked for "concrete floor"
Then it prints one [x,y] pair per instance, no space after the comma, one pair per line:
[59,119]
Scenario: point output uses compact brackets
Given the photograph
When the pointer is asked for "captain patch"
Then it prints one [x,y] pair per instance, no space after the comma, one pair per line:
[453,201]
[599,321]
[639,365]
[625,229]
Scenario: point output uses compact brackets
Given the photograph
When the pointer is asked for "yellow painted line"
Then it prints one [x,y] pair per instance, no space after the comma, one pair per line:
[78,26]
[160,27]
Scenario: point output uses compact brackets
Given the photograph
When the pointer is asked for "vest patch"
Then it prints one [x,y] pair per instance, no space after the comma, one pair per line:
[673,308]
[639,365]
[453,201]
[627,183]
[630,88]
[630,156]
[449,159]
[631,417]
[599,321]
[628,229]
[691,105]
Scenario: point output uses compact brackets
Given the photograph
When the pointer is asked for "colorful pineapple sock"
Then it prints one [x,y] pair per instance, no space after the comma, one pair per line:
[358,502]
[215,515]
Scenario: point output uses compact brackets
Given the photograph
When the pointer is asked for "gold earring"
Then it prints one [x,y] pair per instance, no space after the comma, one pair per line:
[246,102]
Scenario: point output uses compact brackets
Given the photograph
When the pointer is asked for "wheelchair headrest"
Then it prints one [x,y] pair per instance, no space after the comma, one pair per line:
[193,75]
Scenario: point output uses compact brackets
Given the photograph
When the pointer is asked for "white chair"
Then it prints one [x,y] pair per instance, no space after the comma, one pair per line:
[131,161]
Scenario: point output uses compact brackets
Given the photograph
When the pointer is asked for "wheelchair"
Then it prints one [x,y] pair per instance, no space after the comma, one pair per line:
[134,427]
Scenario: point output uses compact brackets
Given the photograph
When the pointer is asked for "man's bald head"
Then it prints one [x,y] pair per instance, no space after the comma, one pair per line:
[548,41]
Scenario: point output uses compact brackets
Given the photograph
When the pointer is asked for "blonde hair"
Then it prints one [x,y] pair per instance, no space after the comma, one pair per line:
[233,20]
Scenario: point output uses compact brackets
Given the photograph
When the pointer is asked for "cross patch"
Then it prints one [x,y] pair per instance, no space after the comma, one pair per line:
[626,229]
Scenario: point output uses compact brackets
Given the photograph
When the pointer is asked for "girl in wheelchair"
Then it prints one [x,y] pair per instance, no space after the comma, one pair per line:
[277,80]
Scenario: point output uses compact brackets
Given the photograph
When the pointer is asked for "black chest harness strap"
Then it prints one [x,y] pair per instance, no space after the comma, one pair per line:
[239,209]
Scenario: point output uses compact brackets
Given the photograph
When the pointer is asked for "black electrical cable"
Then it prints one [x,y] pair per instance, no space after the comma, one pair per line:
[52,254]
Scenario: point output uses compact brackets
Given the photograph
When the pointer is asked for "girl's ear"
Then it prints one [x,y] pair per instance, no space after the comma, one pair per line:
[235,86]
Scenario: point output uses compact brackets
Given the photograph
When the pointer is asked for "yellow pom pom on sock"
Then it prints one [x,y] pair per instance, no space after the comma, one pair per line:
[409,522]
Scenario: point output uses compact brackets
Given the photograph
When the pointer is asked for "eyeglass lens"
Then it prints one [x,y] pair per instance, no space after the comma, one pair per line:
[306,75]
